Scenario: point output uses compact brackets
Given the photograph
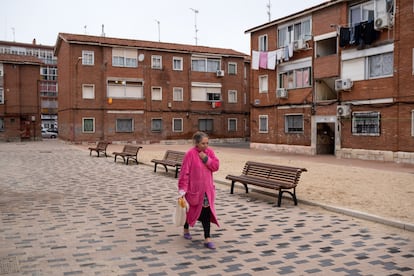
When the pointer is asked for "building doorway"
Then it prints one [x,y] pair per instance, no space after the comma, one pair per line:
[325,138]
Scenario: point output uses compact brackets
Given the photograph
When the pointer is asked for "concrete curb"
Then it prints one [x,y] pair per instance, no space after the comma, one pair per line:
[344,211]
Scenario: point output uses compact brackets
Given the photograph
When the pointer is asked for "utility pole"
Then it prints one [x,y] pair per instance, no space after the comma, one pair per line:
[159,36]
[268,11]
[195,24]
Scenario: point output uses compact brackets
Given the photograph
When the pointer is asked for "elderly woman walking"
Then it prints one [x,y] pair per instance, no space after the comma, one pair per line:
[196,184]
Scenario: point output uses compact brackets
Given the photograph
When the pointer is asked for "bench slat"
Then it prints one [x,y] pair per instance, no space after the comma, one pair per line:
[171,158]
[128,152]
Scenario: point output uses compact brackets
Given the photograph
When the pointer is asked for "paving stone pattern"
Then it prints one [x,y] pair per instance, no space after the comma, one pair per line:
[66,213]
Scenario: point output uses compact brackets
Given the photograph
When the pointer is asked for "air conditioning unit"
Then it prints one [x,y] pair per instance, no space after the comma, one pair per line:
[343,84]
[282,93]
[343,111]
[220,73]
[299,45]
[382,14]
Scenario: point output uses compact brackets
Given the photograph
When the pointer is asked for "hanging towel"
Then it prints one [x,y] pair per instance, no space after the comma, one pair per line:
[279,55]
[255,60]
[290,49]
[263,60]
[271,60]
[286,53]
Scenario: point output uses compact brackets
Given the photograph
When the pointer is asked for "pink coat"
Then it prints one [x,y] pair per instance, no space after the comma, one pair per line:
[196,179]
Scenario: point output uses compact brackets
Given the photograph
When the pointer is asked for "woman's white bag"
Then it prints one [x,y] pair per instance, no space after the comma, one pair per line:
[180,212]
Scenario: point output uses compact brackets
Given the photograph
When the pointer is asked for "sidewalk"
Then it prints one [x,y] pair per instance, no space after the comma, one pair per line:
[63,212]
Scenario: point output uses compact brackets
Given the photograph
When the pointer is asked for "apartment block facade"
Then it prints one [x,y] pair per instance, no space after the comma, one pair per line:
[28,90]
[142,92]
[337,78]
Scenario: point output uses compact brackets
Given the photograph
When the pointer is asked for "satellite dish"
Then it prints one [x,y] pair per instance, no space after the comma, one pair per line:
[141,57]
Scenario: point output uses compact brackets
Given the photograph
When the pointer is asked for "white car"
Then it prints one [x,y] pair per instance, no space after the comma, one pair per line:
[48,134]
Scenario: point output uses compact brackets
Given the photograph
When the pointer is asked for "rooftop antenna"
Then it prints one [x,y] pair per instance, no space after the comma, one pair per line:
[268,6]
[14,34]
[103,30]
[84,28]
[195,24]
[159,36]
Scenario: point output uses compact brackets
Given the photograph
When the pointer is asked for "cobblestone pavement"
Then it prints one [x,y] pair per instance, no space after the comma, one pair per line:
[63,212]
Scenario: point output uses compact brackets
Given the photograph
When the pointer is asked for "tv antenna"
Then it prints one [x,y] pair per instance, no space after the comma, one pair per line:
[159,36]
[195,24]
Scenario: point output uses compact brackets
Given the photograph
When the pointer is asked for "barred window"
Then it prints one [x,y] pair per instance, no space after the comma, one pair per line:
[294,123]
[366,123]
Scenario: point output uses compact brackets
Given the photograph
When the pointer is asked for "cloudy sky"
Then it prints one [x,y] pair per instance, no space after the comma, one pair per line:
[220,23]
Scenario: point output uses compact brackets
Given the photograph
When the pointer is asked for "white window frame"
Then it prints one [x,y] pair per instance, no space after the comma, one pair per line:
[124,57]
[232,71]
[232,96]
[230,122]
[264,128]
[88,91]
[129,120]
[412,123]
[355,131]
[288,126]
[178,60]
[156,93]
[156,62]
[125,89]
[180,122]
[88,57]
[83,124]
[263,84]
[370,59]
[178,94]
[206,64]
[263,43]
[288,33]
[361,7]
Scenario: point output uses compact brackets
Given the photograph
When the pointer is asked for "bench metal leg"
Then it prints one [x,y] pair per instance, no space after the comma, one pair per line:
[279,199]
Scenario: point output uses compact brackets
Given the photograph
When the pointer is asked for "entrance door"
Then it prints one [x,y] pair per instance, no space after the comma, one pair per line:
[325,138]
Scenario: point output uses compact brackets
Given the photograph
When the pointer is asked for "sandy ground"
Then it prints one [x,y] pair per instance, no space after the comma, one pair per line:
[377,188]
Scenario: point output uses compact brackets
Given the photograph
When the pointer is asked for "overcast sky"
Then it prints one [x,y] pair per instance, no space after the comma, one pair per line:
[220,23]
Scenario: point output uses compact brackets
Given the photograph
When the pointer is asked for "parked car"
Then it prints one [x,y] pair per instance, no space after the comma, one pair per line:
[52,130]
[48,134]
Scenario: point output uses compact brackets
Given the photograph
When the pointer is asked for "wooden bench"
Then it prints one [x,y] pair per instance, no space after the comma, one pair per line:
[129,152]
[171,158]
[276,177]
[99,148]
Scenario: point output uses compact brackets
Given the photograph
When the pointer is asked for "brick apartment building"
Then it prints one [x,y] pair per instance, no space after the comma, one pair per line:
[337,78]
[141,91]
[28,90]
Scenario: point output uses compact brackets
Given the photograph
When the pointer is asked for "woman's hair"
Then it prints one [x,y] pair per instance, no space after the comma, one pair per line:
[198,136]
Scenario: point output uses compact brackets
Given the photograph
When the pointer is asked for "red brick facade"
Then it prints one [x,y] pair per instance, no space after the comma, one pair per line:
[380,99]
[107,111]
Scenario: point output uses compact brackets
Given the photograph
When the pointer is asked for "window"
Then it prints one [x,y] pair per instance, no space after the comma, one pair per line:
[366,123]
[232,68]
[48,73]
[124,57]
[124,125]
[205,125]
[88,91]
[380,65]
[263,43]
[88,125]
[295,31]
[1,124]
[412,123]
[213,97]
[263,86]
[177,125]
[362,12]
[1,96]
[297,78]
[48,88]
[232,96]
[232,124]
[178,94]
[205,64]
[156,93]
[156,125]
[294,123]
[178,63]
[156,62]
[88,58]
[263,124]
[121,89]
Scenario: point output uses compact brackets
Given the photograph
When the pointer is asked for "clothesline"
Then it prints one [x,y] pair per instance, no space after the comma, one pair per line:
[269,59]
